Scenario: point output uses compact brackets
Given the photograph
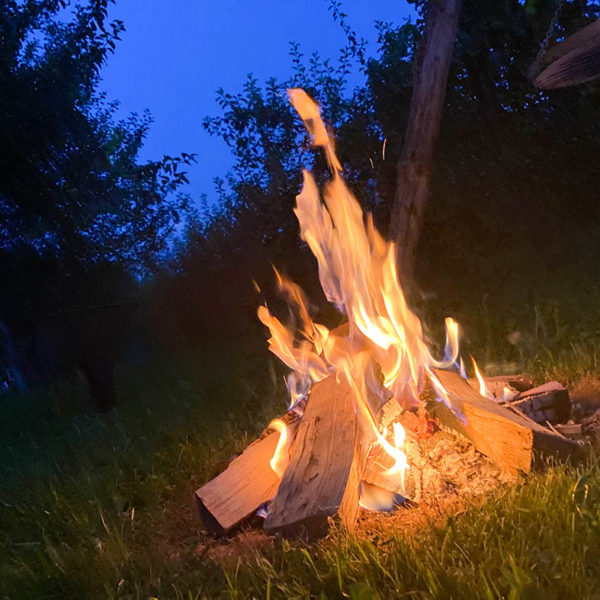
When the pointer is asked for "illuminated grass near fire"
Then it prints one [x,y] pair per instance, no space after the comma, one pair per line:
[86,506]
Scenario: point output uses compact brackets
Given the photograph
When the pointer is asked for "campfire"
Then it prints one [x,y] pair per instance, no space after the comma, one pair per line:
[365,395]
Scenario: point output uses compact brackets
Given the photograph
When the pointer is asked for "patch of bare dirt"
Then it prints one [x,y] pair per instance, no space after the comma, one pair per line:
[180,527]
[242,546]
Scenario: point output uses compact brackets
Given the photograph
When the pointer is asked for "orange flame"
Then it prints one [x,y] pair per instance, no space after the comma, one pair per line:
[357,271]
[280,459]
[483,390]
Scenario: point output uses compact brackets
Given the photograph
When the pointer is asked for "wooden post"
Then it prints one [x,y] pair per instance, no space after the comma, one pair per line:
[414,166]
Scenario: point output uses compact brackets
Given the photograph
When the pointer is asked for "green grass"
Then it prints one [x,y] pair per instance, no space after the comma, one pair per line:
[85,501]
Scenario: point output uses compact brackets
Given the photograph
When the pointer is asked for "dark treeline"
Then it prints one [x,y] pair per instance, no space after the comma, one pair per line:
[87,259]
[81,219]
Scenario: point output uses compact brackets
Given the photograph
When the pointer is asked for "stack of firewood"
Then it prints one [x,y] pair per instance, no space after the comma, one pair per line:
[331,458]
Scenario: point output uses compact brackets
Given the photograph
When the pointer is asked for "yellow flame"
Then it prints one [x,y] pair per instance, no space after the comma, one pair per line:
[508,394]
[280,459]
[357,271]
[482,386]
[396,452]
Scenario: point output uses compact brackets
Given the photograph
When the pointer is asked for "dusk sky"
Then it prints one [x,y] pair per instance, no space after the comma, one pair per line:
[176,53]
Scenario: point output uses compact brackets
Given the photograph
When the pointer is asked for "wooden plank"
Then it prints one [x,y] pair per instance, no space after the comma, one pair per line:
[570,62]
[512,442]
[235,494]
[326,463]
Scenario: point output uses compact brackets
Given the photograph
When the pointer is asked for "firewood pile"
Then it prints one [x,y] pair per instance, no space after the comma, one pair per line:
[332,473]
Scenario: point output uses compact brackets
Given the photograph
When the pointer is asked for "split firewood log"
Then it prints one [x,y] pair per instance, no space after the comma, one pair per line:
[511,441]
[549,402]
[327,459]
[247,483]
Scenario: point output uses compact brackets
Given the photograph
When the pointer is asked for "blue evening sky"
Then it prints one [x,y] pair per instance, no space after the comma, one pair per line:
[176,53]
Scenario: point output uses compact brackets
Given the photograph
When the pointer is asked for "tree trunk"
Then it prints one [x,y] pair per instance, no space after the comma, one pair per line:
[414,166]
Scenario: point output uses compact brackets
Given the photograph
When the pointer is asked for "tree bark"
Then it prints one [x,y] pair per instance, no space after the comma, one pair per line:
[414,166]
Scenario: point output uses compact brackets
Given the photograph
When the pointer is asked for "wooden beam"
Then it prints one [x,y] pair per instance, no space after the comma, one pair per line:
[235,494]
[511,441]
[326,463]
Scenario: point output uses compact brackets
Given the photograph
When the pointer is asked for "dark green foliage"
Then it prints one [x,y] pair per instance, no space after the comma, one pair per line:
[79,214]
[71,186]
[513,207]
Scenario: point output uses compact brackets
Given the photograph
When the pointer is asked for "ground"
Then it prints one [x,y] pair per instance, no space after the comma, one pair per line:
[102,507]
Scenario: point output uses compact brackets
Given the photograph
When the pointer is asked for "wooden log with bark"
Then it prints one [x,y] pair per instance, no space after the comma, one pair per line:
[247,483]
[549,402]
[327,459]
[511,441]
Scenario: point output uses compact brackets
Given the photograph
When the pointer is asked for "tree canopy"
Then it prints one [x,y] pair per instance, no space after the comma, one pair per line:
[75,201]
[508,156]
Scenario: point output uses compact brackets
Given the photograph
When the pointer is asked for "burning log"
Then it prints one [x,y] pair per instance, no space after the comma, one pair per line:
[521,383]
[246,484]
[326,463]
[549,402]
[511,441]
[503,386]
[377,471]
